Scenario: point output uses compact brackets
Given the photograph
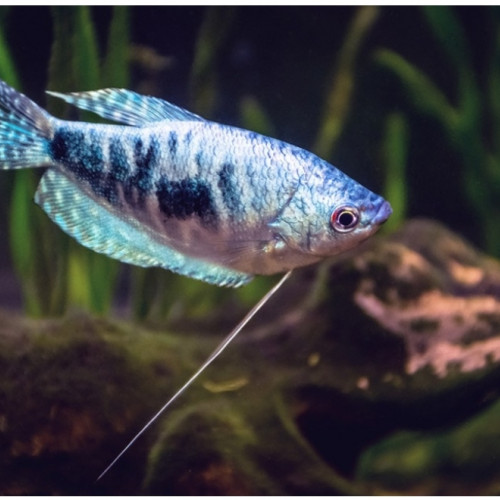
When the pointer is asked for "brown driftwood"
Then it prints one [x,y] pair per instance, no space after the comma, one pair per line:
[375,373]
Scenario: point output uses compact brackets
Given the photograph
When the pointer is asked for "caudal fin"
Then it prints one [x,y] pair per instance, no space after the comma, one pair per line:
[25,131]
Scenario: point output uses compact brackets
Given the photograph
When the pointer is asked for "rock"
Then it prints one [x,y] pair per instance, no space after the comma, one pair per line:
[376,372]
[455,461]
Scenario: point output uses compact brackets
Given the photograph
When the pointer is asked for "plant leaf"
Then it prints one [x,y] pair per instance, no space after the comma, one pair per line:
[115,72]
[421,90]
[341,88]
[395,152]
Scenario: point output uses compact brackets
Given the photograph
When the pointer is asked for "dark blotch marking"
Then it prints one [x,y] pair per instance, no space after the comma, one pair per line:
[198,158]
[108,189]
[200,161]
[146,161]
[59,146]
[172,143]
[82,154]
[185,198]
[188,138]
[227,185]
[119,167]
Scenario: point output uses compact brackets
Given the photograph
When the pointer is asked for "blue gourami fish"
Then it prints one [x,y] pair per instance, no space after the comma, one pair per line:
[173,190]
[170,189]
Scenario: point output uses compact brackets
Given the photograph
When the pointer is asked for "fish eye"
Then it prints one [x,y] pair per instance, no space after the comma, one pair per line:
[344,219]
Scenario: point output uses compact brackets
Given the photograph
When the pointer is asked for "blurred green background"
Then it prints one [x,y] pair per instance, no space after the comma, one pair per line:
[404,99]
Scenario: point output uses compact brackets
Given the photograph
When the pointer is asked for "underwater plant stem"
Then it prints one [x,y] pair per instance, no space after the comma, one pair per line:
[216,26]
[339,97]
[395,152]
[218,350]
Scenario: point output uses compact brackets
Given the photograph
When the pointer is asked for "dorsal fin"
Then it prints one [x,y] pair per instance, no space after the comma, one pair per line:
[126,106]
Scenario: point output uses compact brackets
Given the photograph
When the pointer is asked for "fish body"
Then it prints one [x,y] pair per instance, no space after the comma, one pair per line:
[172,190]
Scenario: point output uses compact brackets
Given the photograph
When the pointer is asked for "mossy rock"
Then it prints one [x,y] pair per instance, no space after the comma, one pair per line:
[351,381]
[461,460]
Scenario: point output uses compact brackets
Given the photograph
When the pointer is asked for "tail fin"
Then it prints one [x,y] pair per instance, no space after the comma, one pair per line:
[25,131]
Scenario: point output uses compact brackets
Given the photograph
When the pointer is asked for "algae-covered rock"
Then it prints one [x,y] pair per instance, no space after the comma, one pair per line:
[463,459]
[373,373]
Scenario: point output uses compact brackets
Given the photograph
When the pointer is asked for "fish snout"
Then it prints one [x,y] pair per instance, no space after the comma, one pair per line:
[383,213]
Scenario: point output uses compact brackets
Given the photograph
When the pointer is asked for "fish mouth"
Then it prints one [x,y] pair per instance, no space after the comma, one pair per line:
[383,213]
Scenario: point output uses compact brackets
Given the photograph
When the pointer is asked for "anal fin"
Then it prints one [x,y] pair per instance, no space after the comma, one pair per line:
[95,227]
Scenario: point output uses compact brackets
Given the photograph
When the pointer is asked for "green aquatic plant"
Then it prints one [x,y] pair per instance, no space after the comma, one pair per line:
[54,271]
[214,30]
[463,122]
[90,277]
[24,230]
[340,91]
[395,152]
[8,70]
